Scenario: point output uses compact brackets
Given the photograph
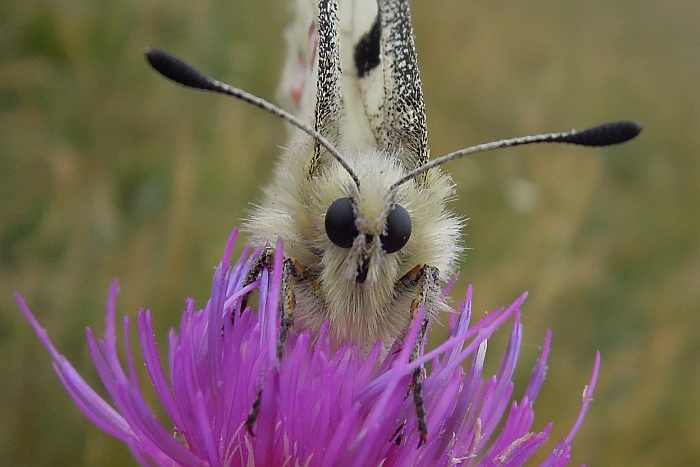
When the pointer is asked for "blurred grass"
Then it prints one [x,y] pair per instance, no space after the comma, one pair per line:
[108,171]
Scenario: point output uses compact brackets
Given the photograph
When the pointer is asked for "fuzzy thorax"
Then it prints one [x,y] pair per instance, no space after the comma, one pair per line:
[294,208]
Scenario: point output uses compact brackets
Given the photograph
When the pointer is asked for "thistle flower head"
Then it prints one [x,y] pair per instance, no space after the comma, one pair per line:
[319,405]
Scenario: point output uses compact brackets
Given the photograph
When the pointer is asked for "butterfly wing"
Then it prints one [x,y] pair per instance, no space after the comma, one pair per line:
[381,87]
[403,125]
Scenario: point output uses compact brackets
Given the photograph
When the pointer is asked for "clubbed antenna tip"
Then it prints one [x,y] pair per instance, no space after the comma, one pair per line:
[606,134]
[177,70]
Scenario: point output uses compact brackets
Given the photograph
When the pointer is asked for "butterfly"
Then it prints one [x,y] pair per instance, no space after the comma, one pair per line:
[359,204]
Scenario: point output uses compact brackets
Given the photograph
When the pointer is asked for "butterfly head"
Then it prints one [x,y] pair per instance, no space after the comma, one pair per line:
[368,225]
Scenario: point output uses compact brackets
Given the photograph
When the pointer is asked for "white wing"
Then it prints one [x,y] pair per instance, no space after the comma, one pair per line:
[297,89]
[381,87]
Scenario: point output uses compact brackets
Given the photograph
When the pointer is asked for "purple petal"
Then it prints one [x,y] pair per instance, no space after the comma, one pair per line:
[320,405]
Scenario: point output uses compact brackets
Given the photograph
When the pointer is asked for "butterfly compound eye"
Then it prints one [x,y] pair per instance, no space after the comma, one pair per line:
[398,230]
[340,223]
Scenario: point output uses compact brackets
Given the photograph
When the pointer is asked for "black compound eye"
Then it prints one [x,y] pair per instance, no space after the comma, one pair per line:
[340,223]
[398,230]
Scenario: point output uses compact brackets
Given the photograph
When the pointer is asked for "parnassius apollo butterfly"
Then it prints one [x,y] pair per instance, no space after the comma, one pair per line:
[355,198]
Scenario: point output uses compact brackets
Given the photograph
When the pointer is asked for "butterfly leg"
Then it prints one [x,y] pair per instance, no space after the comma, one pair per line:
[292,269]
[260,263]
[425,279]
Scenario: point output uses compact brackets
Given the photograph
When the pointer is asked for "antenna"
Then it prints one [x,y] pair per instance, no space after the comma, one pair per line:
[606,134]
[182,73]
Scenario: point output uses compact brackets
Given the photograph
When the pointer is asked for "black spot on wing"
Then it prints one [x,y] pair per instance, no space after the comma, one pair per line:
[367,50]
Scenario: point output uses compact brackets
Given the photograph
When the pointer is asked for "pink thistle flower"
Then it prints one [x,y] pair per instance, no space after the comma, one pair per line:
[319,405]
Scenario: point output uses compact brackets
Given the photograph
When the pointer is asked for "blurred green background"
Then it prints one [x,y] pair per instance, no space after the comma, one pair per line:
[109,171]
